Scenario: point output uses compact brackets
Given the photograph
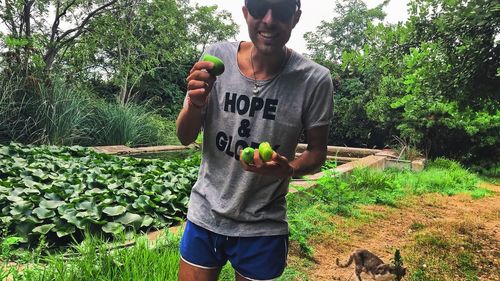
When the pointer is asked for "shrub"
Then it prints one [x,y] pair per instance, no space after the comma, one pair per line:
[128,124]
[47,113]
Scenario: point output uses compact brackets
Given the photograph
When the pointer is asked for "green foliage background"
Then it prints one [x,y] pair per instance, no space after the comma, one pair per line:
[431,82]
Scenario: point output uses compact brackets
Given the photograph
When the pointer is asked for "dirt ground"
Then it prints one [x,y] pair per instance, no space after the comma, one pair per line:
[393,230]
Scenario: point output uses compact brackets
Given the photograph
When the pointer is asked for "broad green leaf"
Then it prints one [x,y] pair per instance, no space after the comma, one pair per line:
[21,207]
[64,230]
[32,191]
[31,183]
[114,211]
[147,221]
[51,204]
[113,227]
[114,186]
[86,205]
[129,218]
[43,213]
[33,219]
[43,229]
[39,174]
[15,198]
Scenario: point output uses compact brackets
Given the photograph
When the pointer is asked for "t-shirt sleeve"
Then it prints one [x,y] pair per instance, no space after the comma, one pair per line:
[319,111]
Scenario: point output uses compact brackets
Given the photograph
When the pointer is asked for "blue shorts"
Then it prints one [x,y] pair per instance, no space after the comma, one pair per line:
[255,258]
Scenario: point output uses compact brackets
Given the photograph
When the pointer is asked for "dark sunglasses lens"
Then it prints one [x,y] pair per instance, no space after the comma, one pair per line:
[281,11]
[257,9]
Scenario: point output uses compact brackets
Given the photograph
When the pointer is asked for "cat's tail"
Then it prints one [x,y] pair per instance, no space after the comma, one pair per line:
[346,264]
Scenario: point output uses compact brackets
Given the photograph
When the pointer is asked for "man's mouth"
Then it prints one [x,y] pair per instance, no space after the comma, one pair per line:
[268,35]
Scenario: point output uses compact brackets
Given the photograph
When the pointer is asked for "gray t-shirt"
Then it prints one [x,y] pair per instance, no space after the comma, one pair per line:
[227,199]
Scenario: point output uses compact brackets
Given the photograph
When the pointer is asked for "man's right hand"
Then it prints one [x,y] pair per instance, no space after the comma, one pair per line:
[200,83]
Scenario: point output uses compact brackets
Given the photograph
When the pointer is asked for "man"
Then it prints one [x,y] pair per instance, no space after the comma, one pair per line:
[268,92]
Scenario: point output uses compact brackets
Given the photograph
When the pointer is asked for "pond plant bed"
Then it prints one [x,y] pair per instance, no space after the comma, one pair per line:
[60,192]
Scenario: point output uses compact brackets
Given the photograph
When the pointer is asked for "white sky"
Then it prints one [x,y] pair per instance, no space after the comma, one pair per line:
[313,12]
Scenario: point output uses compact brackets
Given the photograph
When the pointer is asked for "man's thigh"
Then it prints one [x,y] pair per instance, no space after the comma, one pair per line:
[188,272]
[199,257]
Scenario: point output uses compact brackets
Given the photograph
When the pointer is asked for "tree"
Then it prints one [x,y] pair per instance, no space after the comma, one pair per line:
[345,32]
[146,48]
[208,25]
[38,32]
[448,99]
[334,44]
[432,81]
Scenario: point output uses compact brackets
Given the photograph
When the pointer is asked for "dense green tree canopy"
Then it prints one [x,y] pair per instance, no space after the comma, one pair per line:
[433,81]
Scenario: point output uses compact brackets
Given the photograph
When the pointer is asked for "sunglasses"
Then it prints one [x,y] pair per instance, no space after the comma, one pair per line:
[281,11]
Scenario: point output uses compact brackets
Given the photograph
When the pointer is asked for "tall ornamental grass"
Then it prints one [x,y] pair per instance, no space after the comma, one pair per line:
[61,114]
[42,112]
[128,124]
[13,101]
[54,112]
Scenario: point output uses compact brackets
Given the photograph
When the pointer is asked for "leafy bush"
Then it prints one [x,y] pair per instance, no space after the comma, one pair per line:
[61,191]
[166,130]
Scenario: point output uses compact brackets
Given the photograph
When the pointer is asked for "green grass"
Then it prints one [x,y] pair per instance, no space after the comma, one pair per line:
[309,217]
[309,210]
[92,260]
[443,255]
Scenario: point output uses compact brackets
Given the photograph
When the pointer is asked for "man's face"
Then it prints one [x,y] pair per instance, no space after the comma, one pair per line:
[270,23]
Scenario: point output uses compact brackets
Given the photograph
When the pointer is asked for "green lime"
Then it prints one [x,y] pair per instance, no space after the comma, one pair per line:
[247,155]
[265,151]
[218,64]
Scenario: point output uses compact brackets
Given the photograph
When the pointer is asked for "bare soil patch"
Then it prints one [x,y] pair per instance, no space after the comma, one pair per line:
[394,228]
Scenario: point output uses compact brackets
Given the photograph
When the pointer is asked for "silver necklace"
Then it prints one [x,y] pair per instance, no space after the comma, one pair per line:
[257,85]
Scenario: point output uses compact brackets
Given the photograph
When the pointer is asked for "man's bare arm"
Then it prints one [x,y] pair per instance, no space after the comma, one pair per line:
[200,83]
[315,154]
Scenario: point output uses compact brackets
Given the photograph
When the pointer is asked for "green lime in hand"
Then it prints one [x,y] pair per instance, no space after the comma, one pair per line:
[247,155]
[265,151]
[218,64]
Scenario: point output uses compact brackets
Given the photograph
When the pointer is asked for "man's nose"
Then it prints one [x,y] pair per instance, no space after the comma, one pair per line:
[268,17]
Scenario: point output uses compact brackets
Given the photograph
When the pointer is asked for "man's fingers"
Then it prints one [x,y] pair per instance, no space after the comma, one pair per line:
[206,65]
[281,160]
[197,92]
[196,84]
[257,161]
[200,76]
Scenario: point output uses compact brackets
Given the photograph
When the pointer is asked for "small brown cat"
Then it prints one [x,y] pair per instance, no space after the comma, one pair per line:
[368,262]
